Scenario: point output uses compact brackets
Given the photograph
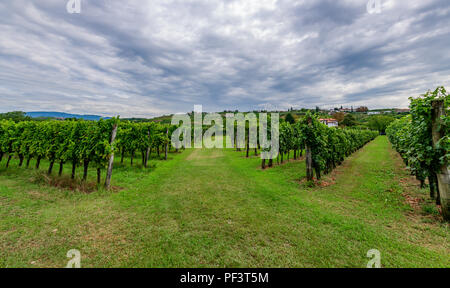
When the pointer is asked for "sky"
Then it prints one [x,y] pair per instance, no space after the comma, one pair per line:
[149,58]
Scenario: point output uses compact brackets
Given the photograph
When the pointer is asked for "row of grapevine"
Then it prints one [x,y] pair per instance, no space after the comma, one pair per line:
[143,138]
[59,142]
[412,137]
[327,147]
[290,139]
[79,142]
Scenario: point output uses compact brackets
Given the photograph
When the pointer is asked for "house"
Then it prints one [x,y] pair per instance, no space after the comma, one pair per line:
[401,111]
[329,122]
[374,113]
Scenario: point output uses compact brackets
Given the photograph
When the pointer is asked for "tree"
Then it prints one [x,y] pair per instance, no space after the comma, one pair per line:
[339,116]
[15,116]
[362,109]
[289,118]
[349,121]
[380,123]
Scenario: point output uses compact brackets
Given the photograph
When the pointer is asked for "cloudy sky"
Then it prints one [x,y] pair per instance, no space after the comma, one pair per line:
[147,58]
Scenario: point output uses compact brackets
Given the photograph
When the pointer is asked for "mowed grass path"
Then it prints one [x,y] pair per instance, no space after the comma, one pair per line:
[215,208]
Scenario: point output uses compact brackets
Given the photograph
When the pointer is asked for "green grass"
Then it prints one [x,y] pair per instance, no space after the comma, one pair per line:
[215,208]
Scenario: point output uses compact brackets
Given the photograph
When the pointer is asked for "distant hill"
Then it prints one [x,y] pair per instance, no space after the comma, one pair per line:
[44,114]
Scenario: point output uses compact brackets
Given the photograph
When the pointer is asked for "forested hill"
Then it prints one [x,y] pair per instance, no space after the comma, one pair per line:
[63,115]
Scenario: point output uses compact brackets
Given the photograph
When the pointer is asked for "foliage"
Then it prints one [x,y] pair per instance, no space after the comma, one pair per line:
[380,123]
[15,116]
[290,119]
[411,136]
[339,116]
[329,146]
[78,141]
[134,137]
[349,121]
[362,109]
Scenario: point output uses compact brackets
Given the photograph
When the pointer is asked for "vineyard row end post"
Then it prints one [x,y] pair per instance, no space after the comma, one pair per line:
[309,168]
[167,144]
[111,158]
[147,155]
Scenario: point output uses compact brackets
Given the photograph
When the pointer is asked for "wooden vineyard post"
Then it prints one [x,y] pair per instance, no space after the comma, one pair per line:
[147,155]
[111,159]
[61,167]
[235,141]
[167,143]
[99,175]
[443,175]
[309,166]
[248,142]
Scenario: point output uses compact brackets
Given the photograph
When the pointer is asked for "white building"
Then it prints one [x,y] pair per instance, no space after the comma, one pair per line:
[330,122]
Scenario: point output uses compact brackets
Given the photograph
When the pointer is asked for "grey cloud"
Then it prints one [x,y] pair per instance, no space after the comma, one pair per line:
[139,58]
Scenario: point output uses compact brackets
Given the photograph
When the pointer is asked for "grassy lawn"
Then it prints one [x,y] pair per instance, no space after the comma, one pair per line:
[215,208]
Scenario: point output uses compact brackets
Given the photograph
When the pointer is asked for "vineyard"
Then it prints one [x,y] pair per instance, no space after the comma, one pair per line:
[335,194]
[82,143]
[325,147]
[85,143]
[89,143]
[422,139]
[216,208]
